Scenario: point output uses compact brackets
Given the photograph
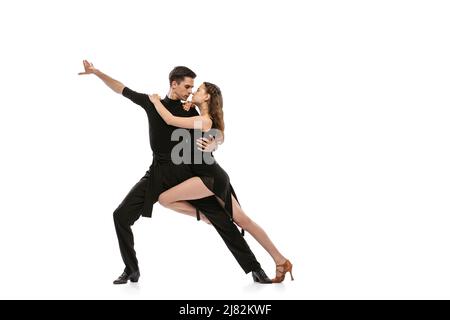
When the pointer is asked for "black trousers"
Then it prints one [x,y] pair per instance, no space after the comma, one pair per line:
[132,206]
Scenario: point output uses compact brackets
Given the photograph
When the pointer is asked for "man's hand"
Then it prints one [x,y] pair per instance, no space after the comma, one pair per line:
[154,98]
[207,145]
[115,85]
[188,105]
[88,68]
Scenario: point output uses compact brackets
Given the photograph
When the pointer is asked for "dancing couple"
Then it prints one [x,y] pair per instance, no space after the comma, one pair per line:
[183,181]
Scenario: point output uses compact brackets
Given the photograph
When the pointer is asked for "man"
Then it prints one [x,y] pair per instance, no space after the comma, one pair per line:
[163,174]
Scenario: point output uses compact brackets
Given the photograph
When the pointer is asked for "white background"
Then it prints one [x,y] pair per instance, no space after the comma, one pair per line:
[337,143]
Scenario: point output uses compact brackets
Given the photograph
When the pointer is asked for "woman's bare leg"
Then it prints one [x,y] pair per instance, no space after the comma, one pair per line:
[186,208]
[191,189]
[257,232]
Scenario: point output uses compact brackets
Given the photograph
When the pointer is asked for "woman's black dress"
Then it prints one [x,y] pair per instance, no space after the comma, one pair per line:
[214,177]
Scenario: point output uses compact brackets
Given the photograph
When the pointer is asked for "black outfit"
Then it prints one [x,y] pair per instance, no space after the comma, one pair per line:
[215,179]
[162,175]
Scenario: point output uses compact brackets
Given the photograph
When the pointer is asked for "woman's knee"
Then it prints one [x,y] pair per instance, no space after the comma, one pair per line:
[164,200]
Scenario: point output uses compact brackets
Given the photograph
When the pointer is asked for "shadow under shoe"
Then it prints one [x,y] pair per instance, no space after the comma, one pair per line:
[260,276]
[124,277]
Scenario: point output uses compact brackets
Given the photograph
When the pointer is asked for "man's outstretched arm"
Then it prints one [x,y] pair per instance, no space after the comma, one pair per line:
[115,85]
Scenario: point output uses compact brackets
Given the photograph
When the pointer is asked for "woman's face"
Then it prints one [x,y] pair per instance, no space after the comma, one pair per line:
[200,95]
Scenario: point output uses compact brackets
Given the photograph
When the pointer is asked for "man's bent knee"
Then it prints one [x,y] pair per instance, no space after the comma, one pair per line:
[121,216]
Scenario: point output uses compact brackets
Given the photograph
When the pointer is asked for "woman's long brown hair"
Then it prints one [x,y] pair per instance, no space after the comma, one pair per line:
[215,106]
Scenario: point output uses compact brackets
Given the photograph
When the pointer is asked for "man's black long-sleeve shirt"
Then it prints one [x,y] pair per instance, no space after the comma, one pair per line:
[160,132]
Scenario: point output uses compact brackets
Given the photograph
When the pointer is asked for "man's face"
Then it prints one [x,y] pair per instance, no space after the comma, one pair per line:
[183,89]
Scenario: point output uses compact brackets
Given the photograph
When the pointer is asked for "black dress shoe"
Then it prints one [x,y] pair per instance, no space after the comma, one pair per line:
[260,276]
[124,277]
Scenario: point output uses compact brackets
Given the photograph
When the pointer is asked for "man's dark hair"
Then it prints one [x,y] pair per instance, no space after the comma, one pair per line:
[179,73]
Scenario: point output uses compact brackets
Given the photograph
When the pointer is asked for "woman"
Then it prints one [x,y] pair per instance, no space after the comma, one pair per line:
[211,179]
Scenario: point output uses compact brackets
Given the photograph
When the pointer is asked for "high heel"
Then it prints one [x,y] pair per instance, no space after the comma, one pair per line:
[287,267]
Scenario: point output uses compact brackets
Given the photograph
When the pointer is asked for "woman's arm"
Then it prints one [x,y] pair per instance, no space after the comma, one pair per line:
[197,122]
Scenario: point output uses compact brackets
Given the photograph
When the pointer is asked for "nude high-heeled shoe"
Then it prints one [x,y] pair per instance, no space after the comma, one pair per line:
[281,271]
